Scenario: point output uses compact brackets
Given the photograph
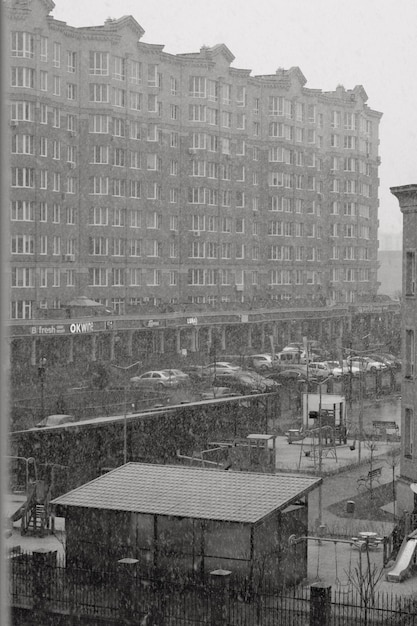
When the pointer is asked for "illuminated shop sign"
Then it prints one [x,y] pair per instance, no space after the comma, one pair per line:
[78,328]
[51,329]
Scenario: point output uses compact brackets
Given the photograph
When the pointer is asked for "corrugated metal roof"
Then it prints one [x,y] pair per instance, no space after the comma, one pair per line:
[192,492]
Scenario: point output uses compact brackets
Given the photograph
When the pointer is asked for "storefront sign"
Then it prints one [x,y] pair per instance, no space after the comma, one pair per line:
[192,320]
[50,329]
[78,328]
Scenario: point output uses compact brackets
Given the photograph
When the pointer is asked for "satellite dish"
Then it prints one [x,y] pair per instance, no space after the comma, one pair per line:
[413,487]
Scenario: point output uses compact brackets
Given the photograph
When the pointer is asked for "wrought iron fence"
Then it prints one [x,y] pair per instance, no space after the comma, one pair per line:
[119,594]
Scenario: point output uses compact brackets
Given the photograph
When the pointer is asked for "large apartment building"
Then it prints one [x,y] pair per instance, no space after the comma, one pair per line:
[407,498]
[142,176]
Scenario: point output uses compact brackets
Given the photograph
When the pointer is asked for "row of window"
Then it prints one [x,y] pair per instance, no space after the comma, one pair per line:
[102,64]
[119,127]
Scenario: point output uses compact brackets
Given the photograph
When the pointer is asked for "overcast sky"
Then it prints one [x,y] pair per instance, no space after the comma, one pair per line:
[349,42]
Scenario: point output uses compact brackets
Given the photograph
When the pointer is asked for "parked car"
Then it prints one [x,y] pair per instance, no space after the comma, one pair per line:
[221,366]
[288,374]
[263,361]
[388,359]
[320,369]
[346,369]
[218,392]
[56,420]
[160,378]
[245,382]
[366,363]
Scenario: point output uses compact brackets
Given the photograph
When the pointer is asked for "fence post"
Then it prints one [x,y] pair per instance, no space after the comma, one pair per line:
[127,587]
[43,569]
[219,600]
[320,604]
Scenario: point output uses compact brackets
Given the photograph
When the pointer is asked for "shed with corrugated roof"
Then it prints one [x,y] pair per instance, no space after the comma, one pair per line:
[190,520]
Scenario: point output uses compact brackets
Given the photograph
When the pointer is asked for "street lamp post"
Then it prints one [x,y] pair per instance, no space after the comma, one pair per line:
[125,369]
[41,375]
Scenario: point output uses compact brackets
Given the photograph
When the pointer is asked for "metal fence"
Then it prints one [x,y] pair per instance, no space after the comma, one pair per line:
[121,595]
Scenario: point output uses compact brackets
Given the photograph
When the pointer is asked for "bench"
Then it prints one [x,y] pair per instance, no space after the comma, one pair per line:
[367,479]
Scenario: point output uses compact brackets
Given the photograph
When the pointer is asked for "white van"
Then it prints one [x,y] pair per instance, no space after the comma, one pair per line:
[289,357]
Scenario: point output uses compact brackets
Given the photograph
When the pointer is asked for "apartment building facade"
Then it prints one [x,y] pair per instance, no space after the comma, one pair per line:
[142,176]
[407,498]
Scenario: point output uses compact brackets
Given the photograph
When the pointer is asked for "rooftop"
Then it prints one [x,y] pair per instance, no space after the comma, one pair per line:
[199,493]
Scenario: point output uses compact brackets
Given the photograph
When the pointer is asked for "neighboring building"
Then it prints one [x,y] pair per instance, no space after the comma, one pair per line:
[190,520]
[142,176]
[390,272]
[407,499]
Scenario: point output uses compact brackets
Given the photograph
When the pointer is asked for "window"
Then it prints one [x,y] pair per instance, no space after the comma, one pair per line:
[197,112]
[408,432]
[71,214]
[71,91]
[152,75]
[98,216]
[22,244]
[44,49]
[22,211]
[21,309]
[23,111]
[135,277]
[23,177]
[118,247]
[71,123]
[56,117]
[152,103]
[410,273]
[71,62]
[56,150]
[56,181]
[154,220]
[56,56]
[118,127]
[135,218]
[57,86]
[43,179]
[22,45]
[118,217]
[226,119]
[174,86]
[23,77]
[118,187]
[276,105]
[43,80]
[43,212]
[99,63]
[135,189]
[100,154]
[135,100]
[119,97]
[197,87]
[23,144]
[99,185]
[241,96]
[135,72]
[99,124]
[98,246]
[409,353]
[119,72]
[99,92]
[43,244]
[153,248]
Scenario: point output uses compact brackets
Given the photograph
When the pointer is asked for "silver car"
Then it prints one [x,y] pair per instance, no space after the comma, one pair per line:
[160,378]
